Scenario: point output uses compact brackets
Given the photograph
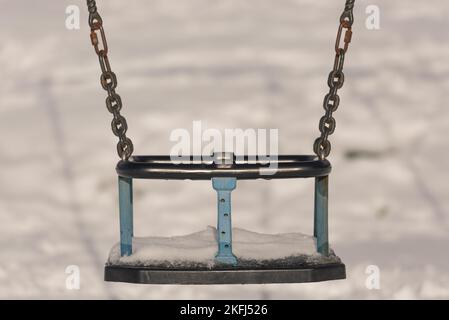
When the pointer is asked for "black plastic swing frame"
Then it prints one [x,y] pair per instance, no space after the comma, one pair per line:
[220,276]
[242,168]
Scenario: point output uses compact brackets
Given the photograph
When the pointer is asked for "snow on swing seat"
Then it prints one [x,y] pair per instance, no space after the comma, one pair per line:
[198,250]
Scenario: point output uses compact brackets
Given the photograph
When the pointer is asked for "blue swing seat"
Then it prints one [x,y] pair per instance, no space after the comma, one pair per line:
[224,169]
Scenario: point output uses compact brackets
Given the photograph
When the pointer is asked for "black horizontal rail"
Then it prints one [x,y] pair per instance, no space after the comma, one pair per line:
[284,167]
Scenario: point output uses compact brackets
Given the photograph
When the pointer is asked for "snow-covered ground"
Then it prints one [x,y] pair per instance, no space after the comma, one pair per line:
[232,64]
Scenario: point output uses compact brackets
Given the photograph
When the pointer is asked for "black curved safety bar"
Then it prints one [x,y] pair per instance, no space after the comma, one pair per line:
[284,167]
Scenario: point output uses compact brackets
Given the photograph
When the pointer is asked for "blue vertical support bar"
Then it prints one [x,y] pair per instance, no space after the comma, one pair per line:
[224,187]
[320,229]
[125,187]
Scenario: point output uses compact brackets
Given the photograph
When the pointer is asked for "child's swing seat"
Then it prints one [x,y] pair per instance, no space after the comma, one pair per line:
[224,171]
[228,270]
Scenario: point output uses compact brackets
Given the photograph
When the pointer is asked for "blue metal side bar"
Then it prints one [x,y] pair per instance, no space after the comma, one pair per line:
[320,229]
[224,187]
[125,187]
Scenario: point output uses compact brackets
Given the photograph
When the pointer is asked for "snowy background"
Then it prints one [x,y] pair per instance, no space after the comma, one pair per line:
[232,64]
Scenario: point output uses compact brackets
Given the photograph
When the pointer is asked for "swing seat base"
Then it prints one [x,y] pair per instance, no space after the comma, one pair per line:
[191,259]
[149,275]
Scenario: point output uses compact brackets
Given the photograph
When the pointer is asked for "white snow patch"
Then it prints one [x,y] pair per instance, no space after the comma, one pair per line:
[201,247]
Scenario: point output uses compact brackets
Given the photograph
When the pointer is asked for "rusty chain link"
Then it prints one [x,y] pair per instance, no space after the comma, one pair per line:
[108,81]
[322,146]
[327,124]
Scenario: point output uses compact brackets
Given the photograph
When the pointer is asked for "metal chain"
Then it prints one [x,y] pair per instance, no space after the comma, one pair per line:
[322,146]
[108,81]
